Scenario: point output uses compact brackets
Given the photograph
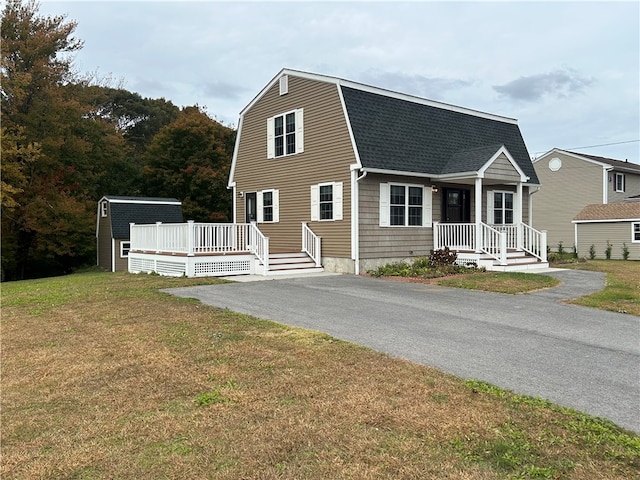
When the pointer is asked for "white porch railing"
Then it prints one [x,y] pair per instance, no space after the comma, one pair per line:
[259,245]
[494,243]
[311,244]
[534,242]
[495,240]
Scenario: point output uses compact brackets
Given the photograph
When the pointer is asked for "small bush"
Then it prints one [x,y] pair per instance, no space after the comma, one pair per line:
[560,249]
[625,252]
[607,252]
[442,257]
[592,252]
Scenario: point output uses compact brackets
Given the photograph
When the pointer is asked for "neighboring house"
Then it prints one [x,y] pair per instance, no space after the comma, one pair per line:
[380,176]
[114,216]
[570,181]
[615,226]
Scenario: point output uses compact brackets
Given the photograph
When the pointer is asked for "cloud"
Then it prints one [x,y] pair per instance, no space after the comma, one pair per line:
[560,83]
[427,87]
[224,90]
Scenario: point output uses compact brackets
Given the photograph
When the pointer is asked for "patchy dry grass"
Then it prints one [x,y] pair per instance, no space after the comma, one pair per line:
[103,377]
[622,290]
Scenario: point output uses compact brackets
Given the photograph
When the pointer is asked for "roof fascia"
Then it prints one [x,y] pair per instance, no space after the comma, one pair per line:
[231,183]
[576,156]
[144,202]
[608,220]
[516,167]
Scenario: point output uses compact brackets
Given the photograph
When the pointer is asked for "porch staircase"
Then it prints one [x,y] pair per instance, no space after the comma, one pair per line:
[517,261]
[288,263]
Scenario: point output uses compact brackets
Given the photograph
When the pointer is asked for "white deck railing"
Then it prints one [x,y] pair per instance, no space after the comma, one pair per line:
[494,243]
[456,236]
[259,245]
[311,244]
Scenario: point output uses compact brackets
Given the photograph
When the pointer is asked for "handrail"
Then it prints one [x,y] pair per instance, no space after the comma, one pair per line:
[311,244]
[494,243]
[534,242]
[259,245]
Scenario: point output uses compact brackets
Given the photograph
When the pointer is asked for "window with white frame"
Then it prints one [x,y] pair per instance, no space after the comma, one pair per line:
[405,205]
[326,201]
[500,208]
[124,249]
[268,206]
[285,134]
[635,232]
[619,182]
[103,209]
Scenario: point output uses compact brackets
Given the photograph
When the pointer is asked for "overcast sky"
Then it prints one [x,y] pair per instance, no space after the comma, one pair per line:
[568,71]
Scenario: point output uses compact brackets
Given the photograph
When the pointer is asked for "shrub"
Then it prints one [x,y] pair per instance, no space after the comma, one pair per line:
[592,252]
[625,252]
[442,257]
[607,252]
[560,249]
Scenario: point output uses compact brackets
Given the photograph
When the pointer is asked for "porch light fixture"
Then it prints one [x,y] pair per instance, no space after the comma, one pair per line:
[434,188]
[241,194]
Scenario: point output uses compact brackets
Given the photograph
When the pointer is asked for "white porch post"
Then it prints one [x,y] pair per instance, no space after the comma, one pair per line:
[518,219]
[190,232]
[436,236]
[158,237]
[478,220]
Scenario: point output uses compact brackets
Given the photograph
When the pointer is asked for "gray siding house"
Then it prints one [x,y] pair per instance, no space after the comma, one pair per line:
[114,216]
[569,182]
[614,225]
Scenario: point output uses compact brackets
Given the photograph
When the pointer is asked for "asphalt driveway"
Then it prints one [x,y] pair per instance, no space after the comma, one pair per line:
[534,344]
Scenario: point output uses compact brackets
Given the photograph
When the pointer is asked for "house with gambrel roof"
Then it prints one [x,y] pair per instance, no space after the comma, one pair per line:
[115,215]
[382,176]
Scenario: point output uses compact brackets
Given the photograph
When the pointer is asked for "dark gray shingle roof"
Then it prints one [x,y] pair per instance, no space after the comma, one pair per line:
[125,211]
[400,135]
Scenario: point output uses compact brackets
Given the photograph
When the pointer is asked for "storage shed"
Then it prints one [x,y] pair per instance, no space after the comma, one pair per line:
[614,225]
[114,216]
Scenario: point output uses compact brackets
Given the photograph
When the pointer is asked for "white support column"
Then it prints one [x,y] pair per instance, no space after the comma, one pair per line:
[478,220]
[158,237]
[190,237]
[518,217]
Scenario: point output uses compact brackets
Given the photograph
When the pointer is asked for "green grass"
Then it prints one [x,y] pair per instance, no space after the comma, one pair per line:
[501,282]
[104,377]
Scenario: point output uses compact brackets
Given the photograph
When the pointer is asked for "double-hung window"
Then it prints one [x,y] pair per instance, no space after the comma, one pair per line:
[124,249]
[326,201]
[635,232]
[268,206]
[619,179]
[103,208]
[403,205]
[501,208]
[285,134]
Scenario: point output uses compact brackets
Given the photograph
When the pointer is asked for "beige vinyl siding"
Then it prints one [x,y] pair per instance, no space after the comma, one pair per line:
[104,240]
[391,242]
[632,186]
[501,169]
[563,194]
[326,158]
[599,233]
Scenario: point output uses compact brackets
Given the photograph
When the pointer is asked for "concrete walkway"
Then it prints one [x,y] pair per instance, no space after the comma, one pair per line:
[533,344]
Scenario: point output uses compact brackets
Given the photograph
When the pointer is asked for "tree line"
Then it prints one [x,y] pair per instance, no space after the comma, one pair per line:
[68,138]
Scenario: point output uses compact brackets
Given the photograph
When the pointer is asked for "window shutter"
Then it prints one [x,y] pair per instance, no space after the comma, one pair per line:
[271,147]
[337,201]
[384,204]
[276,205]
[490,207]
[427,216]
[299,131]
[259,208]
[315,203]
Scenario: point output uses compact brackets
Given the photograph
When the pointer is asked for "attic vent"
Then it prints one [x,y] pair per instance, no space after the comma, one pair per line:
[284,84]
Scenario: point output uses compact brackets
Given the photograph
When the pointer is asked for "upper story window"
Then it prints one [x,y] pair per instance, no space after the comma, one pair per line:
[103,208]
[619,182]
[285,134]
[404,205]
[502,208]
[326,201]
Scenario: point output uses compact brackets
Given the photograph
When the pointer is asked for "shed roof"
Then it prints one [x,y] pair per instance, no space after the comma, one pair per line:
[141,210]
[609,211]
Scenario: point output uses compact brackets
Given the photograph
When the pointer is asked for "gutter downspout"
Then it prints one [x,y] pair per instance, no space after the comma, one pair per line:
[355,217]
